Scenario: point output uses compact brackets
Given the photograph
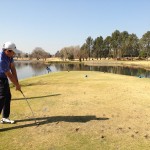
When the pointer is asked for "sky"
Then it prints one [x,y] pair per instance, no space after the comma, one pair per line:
[55,24]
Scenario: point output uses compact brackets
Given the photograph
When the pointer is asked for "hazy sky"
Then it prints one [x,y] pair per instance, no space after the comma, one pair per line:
[54,24]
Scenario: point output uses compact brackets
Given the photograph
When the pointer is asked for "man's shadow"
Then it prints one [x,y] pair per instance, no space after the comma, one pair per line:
[57,119]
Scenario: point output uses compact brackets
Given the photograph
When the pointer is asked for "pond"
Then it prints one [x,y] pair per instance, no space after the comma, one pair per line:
[26,69]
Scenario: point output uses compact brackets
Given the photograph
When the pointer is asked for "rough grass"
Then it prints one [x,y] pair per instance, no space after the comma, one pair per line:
[100,111]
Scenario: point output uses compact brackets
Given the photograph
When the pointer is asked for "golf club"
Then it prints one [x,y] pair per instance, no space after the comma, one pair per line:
[30,108]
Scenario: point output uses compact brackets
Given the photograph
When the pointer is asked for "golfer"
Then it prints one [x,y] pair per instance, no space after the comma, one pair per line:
[7,71]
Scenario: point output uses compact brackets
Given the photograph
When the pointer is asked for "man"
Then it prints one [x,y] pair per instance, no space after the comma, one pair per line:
[7,71]
[48,69]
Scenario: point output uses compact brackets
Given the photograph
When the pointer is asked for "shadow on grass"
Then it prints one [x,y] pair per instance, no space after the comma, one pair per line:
[14,99]
[57,119]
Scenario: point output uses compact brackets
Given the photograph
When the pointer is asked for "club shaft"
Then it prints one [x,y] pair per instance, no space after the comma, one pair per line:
[29,106]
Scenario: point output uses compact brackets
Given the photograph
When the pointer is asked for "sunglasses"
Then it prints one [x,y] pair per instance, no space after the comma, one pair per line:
[10,51]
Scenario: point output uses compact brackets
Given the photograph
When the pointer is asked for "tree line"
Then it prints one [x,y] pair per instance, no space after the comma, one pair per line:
[38,53]
[119,45]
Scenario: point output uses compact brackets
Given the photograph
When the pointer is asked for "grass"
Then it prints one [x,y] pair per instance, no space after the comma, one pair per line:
[100,111]
[135,64]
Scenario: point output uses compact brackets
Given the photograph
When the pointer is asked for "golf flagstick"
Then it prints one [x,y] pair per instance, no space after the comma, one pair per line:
[30,108]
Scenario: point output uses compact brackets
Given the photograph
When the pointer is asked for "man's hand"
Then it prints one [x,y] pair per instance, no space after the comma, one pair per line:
[18,88]
[13,79]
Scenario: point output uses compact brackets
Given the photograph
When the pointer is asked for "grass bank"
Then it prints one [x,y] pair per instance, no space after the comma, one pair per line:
[135,64]
[100,111]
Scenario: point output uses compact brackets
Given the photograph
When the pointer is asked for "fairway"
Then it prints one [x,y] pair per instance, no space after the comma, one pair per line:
[80,110]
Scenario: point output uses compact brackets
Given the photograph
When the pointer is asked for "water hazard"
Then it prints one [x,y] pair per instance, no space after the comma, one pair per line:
[29,69]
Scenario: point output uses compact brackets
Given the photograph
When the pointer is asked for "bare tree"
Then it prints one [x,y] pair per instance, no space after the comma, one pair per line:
[39,53]
[71,52]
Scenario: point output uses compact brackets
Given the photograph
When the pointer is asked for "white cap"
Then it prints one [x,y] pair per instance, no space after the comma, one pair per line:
[9,46]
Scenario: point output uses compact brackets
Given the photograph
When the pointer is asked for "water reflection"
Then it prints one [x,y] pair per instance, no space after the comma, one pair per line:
[28,69]
[123,70]
[70,67]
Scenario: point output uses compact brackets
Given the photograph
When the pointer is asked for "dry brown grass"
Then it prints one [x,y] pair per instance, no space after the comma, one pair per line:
[100,111]
[137,64]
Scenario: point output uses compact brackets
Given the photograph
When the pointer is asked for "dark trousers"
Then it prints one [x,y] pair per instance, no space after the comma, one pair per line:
[5,97]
